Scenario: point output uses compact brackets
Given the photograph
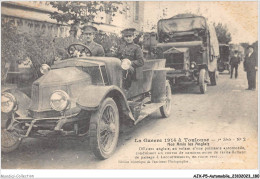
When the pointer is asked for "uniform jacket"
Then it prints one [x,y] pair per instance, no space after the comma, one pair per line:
[96,49]
[250,63]
[234,60]
[132,52]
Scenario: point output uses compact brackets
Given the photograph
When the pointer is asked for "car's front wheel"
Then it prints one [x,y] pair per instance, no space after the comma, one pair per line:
[104,129]
[166,109]
[202,83]
[9,141]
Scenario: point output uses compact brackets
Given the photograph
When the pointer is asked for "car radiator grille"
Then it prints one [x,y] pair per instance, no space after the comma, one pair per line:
[175,61]
[35,96]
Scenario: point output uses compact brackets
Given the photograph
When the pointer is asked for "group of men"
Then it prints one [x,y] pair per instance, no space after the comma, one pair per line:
[133,52]
[250,66]
[127,50]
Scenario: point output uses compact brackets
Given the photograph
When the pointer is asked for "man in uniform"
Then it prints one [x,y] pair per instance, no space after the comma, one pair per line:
[74,30]
[250,66]
[61,44]
[88,34]
[234,62]
[131,51]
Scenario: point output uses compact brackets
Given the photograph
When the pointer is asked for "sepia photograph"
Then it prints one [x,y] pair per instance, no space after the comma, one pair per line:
[129,85]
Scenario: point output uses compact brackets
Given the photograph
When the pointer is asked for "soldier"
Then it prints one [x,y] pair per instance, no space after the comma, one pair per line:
[88,34]
[250,66]
[74,31]
[129,50]
[234,62]
[62,43]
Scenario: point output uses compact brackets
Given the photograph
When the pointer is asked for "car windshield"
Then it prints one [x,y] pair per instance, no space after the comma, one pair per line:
[181,24]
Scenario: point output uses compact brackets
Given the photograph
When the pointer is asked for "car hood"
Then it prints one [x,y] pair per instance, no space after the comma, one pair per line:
[70,80]
[62,75]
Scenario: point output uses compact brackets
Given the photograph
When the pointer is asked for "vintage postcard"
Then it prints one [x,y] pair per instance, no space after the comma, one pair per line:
[129,85]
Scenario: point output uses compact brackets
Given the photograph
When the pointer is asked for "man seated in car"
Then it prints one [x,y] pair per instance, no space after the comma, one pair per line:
[88,35]
[131,52]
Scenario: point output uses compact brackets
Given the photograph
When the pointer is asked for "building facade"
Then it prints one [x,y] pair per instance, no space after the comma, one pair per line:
[34,16]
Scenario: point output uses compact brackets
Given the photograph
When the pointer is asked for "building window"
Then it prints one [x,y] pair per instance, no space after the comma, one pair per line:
[136,11]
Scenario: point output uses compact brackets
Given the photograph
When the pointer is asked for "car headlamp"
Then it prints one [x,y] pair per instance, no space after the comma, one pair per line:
[192,65]
[8,102]
[45,69]
[59,100]
[126,64]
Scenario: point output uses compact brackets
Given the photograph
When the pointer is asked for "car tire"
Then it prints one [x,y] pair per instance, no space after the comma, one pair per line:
[213,78]
[9,141]
[166,109]
[202,83]
[104,129]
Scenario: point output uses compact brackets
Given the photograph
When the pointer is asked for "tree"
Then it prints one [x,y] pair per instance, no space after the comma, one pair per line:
[17,47]
[224,36]
[83,11]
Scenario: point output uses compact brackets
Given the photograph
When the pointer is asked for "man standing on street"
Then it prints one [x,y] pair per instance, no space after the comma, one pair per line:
[88,34]
[234,62]
[133,52]
[250,66]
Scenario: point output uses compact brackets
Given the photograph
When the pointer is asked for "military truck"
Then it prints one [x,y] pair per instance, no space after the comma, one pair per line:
[190,46]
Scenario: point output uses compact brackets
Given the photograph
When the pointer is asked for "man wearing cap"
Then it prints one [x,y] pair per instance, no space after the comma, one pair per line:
[61,44]
[88,34]
[234,62]
[250,66]
[75,30]
[133,52]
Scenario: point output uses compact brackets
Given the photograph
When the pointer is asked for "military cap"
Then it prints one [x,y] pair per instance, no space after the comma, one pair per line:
[89,29]
[74,28]
[129,31]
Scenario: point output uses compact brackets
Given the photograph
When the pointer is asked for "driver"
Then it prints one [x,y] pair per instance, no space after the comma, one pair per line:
[88,34]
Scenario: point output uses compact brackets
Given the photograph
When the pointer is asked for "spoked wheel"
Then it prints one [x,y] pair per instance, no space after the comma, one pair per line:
[104,129]
[9,141]
[202,83]
[166,109]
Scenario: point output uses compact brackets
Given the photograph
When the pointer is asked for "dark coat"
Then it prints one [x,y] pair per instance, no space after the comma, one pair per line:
[250,63]
[234,60]
[132,52]
[96,49]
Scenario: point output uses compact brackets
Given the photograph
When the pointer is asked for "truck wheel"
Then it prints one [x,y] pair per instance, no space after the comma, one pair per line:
[166,109]
[202,83]
[104,129]
[213,78]
[9,141]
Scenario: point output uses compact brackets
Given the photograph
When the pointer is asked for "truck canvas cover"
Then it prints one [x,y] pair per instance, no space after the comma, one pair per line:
[181,24]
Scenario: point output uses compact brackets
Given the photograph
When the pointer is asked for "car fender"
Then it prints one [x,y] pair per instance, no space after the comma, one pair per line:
[91,97]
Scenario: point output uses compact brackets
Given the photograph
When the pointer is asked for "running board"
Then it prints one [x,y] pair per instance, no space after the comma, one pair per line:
[148,109]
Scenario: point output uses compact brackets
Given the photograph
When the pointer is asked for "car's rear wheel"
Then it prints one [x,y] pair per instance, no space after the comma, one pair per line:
[104,129]
[9,141]
[166,109]
[202,83]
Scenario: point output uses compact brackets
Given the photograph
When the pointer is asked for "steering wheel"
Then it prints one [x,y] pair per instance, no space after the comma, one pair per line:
[79,50]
